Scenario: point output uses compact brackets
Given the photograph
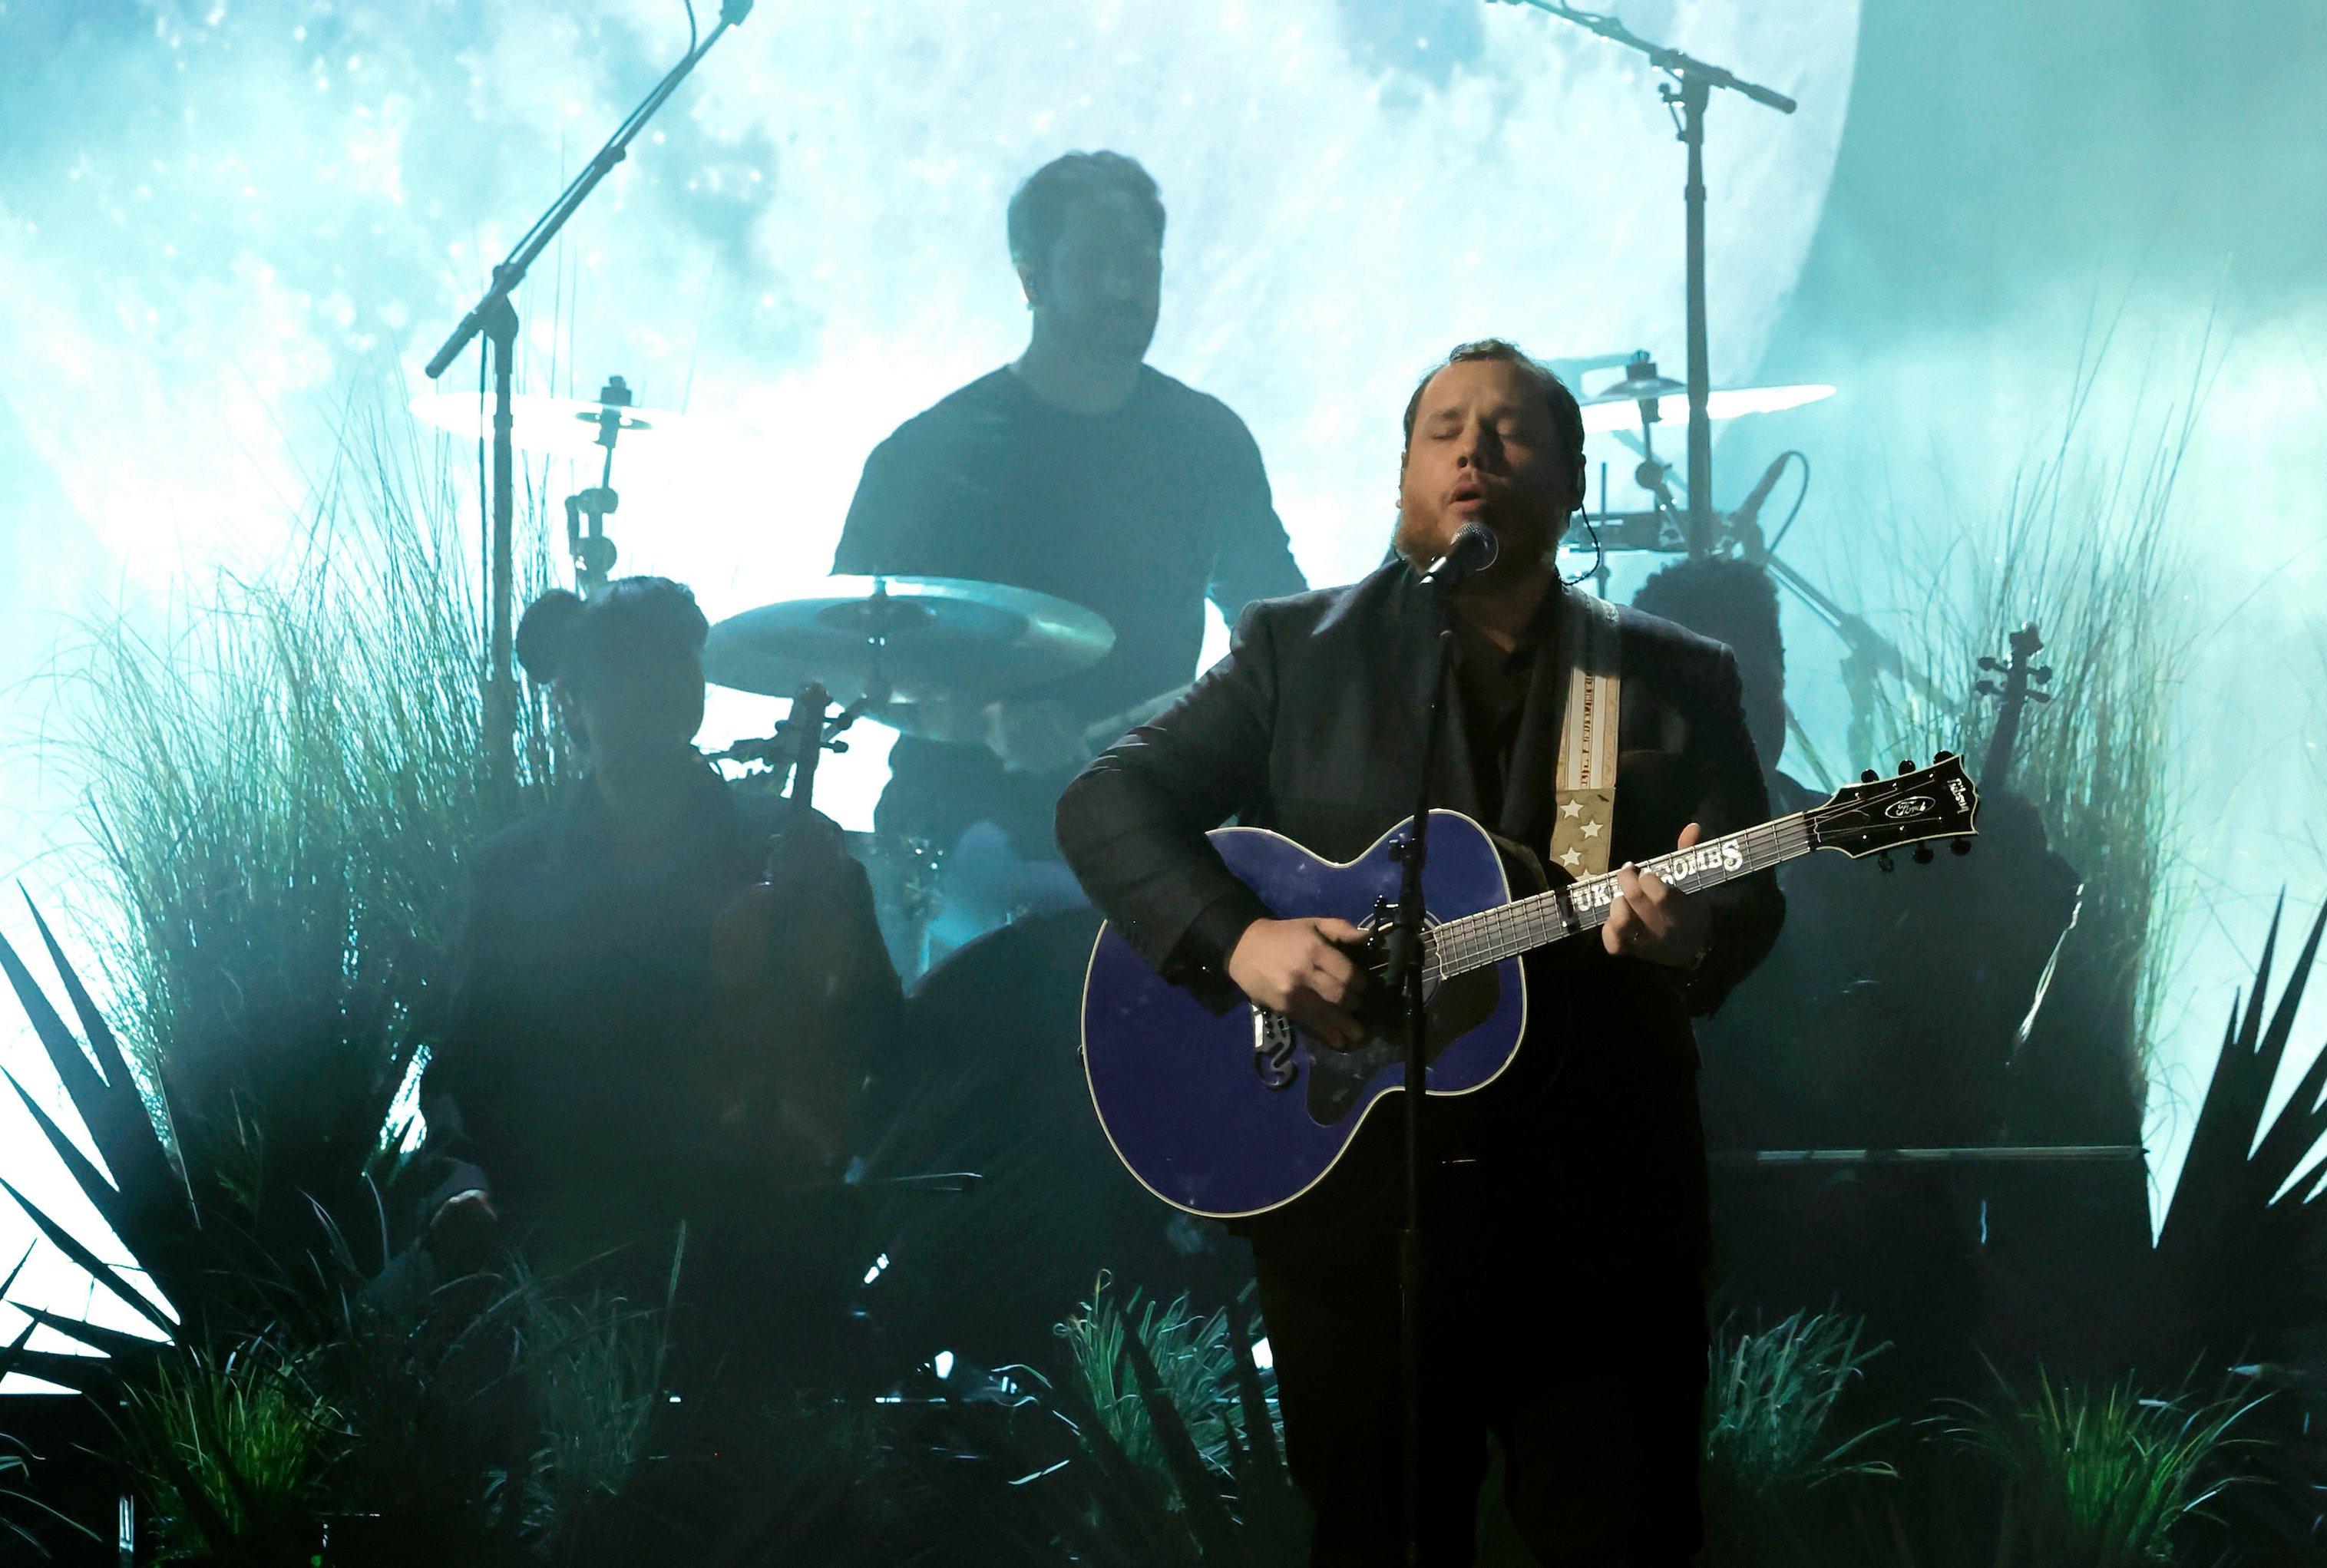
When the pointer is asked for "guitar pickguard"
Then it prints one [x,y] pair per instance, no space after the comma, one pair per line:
[1339,1079]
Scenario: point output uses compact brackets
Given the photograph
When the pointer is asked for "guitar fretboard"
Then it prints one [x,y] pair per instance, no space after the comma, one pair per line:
[1491,935]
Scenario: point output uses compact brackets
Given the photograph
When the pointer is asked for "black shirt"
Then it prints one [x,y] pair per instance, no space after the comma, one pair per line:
[1492,685]
[1139,514]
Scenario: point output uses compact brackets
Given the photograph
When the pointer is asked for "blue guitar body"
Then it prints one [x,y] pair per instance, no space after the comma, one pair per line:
[1233,1114]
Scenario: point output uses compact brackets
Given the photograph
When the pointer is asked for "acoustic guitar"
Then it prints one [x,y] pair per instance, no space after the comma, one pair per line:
[1234,1113]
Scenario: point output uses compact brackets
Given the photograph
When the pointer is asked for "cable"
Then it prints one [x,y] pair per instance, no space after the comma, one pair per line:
[1599,555]
[1800,496]
[1599,551]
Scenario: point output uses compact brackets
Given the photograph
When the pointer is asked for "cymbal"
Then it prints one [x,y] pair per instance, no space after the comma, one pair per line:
[1608,411]
[567,427]
[917,639]
[1572,368]
[1640,381]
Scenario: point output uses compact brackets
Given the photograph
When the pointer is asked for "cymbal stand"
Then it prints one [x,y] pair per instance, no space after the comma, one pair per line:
[1687,96]
[587,510]
[495,317]
[1654,473]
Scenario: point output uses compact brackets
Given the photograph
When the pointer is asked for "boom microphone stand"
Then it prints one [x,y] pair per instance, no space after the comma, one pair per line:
[495,316]
[1687,93]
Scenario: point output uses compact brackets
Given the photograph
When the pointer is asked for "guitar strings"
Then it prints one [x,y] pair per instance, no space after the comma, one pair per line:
[1509,929]
[1472,942]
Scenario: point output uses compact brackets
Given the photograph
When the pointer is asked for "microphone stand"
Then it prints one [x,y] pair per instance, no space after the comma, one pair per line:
[1692,86]
[495,316]
[1406,953]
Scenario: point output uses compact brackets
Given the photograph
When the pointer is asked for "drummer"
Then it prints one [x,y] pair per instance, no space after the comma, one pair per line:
[1076,470]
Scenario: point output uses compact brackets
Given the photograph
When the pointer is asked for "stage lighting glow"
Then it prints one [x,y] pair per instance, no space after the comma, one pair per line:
[809,244]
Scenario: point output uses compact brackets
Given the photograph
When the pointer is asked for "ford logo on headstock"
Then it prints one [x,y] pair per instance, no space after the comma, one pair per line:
[1912,806]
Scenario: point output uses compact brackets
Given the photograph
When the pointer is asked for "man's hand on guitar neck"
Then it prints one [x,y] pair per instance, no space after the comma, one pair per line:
[1293,968]
[1649,920]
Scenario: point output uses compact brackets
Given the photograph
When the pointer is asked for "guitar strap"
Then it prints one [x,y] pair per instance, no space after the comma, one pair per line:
[1585,791]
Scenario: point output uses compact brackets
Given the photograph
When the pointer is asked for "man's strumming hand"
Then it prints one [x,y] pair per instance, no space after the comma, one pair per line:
[1651,920]
[1293,967]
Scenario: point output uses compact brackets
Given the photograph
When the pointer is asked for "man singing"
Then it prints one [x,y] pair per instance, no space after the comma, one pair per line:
[1567,1205]
[1076,470]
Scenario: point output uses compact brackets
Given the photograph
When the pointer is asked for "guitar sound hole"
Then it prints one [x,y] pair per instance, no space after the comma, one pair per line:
[1338,1080]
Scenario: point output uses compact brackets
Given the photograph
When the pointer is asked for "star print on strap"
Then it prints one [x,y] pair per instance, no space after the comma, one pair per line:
[1586,774]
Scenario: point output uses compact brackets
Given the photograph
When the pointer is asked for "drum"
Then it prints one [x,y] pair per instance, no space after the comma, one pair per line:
[990,1079]
[906,894]
[933,900]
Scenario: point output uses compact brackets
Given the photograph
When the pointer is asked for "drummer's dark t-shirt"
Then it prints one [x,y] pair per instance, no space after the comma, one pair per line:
[1140,515]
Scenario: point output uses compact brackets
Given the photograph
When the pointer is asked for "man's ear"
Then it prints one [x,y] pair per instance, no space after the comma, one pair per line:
[1025,282]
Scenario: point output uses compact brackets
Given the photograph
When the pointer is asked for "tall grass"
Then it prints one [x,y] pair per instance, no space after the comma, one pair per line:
[593,1365]
[234,1449]
[280,784]
[1195,1366]
[2085,543]
[1771,1406]
[2108,1478]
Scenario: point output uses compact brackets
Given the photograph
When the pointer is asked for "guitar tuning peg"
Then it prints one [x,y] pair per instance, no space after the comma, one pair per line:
[1939,757]
[1922,854]
[1906,766]
[835,747]
[2040,696]
[2040,675]
[1961,846]
[1987,688]
[1883,859]
[1987,663]
[1869,777]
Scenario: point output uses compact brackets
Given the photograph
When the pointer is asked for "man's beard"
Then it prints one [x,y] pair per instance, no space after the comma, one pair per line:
[1405,541]
[1411,544]
[1124,336]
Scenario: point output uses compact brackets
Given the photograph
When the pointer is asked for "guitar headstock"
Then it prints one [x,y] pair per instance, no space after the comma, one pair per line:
[2022,678]
[1912,807]
[809,736]
[2018,673]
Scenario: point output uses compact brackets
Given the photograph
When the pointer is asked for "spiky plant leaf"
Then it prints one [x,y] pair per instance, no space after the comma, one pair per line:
[109,1342]
[2242,1252]
[115,1282]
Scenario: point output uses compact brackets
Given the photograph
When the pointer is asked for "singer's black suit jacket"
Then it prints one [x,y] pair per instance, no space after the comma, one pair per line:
[1313,727]
[1569,1204]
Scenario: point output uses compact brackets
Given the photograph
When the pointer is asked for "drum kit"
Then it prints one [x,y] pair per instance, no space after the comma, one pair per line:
[926,656]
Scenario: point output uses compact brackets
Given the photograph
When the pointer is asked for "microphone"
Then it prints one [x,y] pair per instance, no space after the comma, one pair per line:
[1742,520]
[1474,549]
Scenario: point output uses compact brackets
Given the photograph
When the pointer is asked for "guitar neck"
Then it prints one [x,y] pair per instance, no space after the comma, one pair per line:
[1491,935]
